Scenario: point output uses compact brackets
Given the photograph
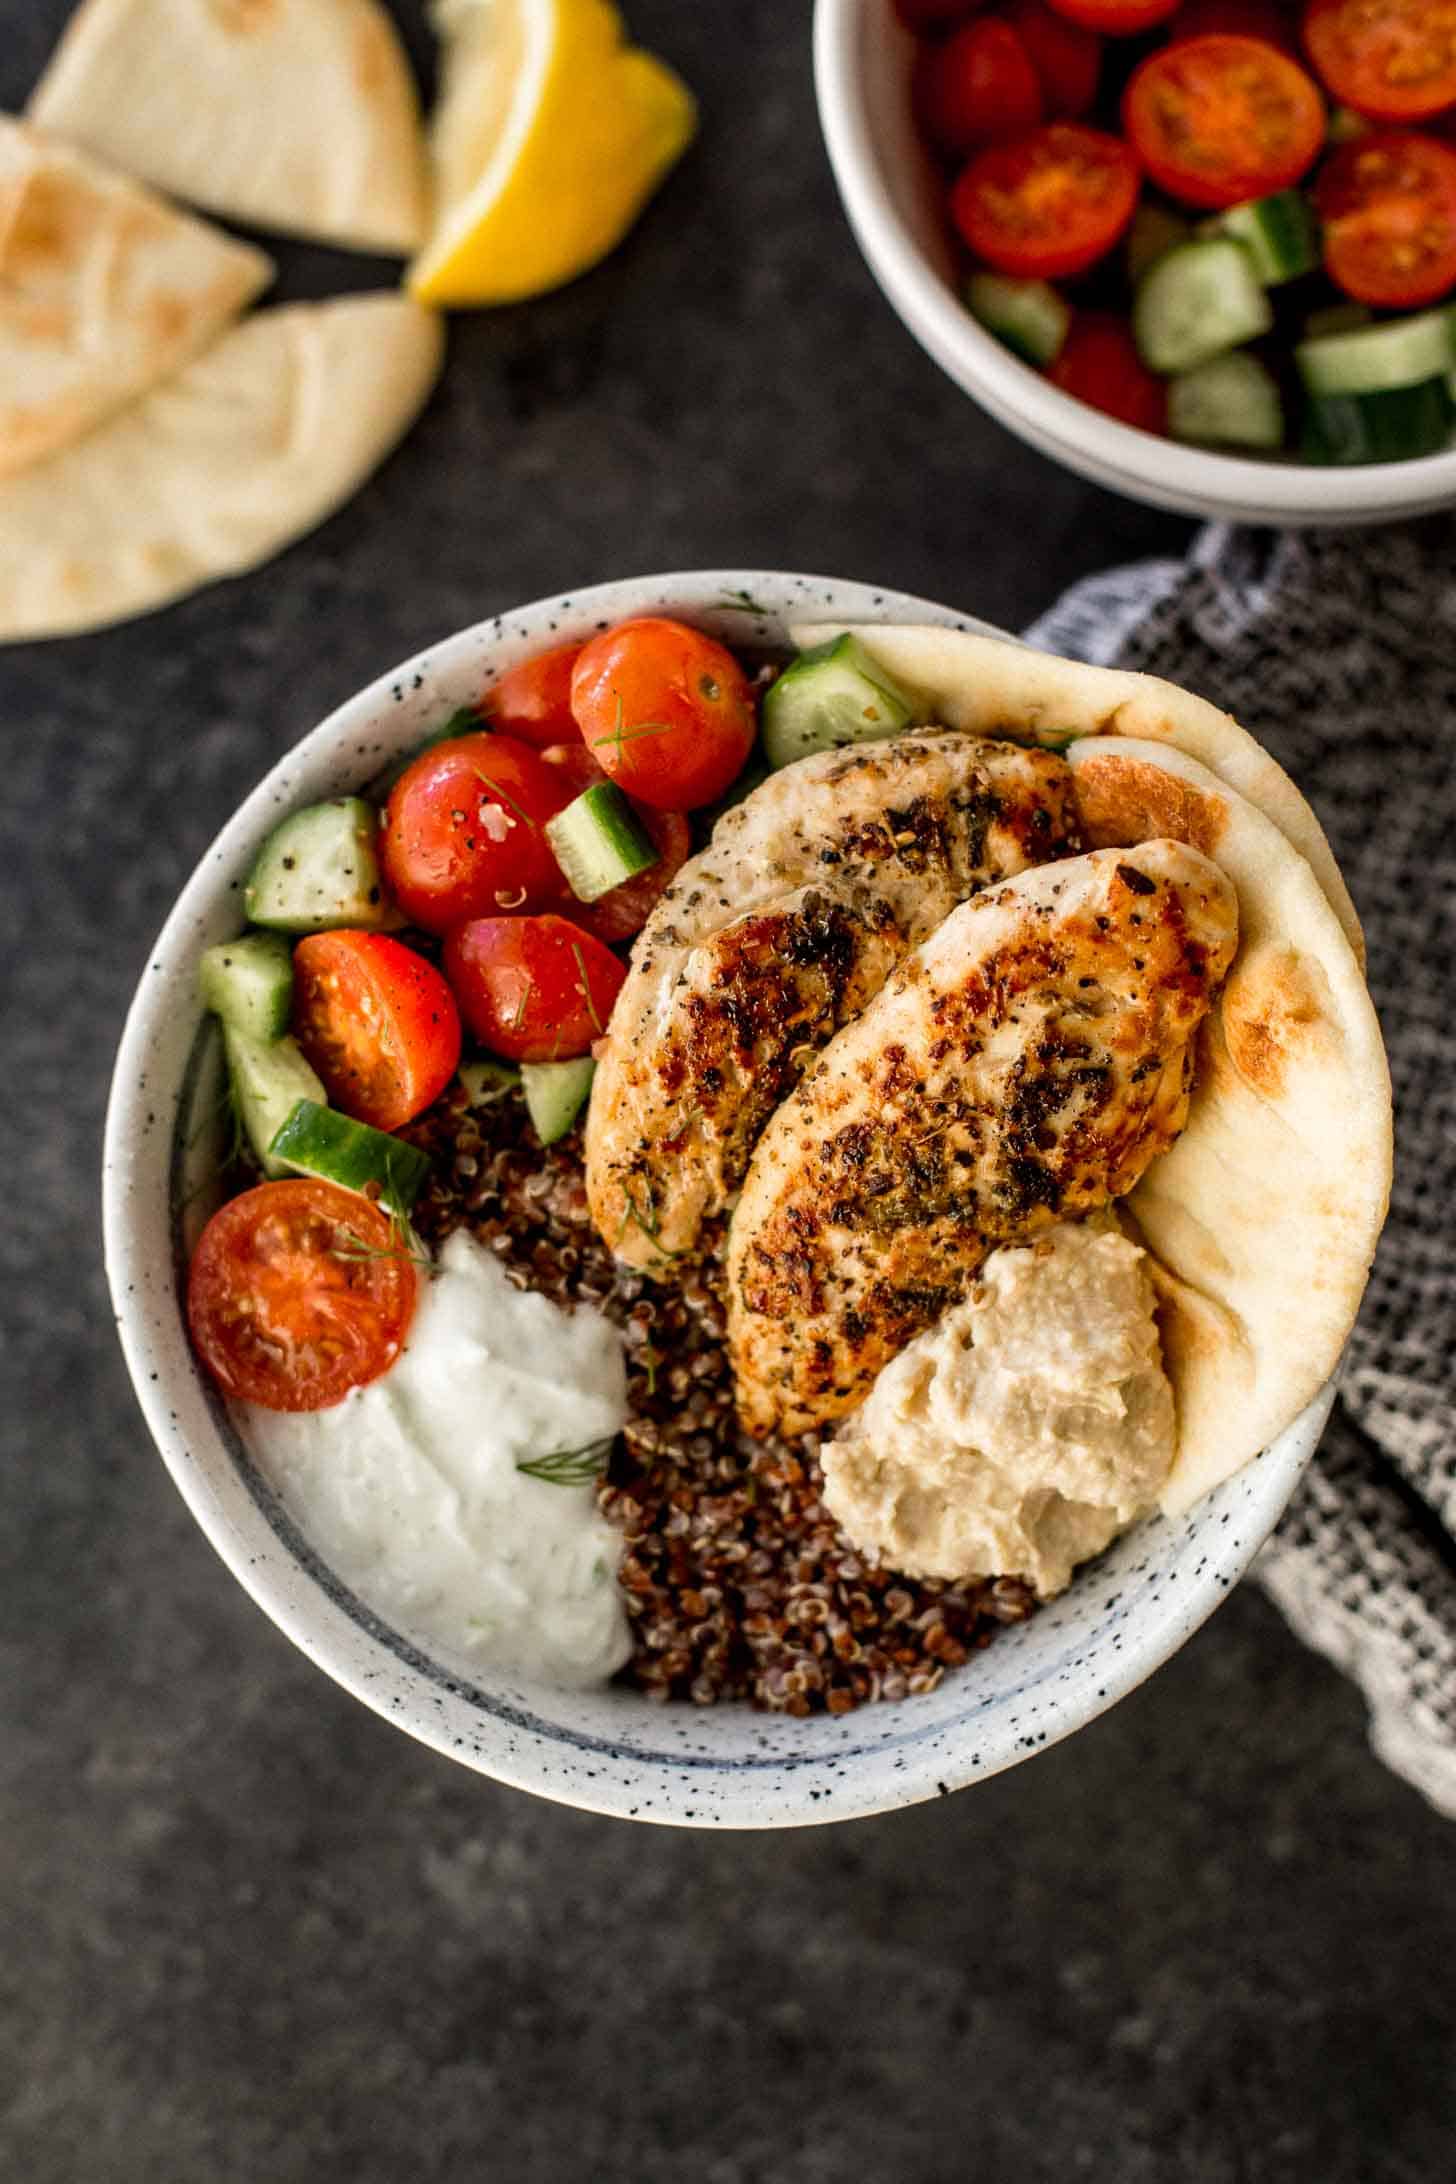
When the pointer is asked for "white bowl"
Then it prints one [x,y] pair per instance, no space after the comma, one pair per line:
[894,199]
[608,1750]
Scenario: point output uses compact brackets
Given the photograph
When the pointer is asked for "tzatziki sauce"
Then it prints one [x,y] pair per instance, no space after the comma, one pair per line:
[410,1489]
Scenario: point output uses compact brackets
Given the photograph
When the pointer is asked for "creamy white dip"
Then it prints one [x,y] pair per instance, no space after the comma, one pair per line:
[409,1488]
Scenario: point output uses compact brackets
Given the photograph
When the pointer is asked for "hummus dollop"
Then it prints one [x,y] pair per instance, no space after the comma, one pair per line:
[1025,1430]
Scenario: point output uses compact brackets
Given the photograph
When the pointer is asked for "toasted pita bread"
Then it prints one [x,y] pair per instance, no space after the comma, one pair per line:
[1264,1216]
[104,290]
[248,447]
[1001,688]
[295,115]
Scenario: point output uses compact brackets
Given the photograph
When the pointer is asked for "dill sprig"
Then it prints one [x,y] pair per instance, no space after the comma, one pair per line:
[591,1007]
[635,1218]
[742,602]
[568,1466]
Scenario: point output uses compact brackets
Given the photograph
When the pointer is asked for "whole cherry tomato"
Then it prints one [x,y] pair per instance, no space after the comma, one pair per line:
[532,989]
[667,712]
[464,832]
[533,700]
[979,86]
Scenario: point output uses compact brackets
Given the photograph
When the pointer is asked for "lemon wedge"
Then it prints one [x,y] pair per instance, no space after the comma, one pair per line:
[550,135]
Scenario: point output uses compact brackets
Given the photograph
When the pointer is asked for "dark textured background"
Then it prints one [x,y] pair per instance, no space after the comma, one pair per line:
[248,1931]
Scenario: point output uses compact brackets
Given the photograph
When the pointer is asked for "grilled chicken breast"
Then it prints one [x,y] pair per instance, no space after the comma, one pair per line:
[781,931]
[1022,1066]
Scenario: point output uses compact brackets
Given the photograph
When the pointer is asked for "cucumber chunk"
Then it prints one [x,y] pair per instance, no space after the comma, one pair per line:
[320,869]
[1153,233]
[556,1093]
[1279,234]
[248,982]
[318,1140]
[833,695]
[599,842]
[1029,316]
[269,1078]
[1197,301]
[1403,352]
[486,1082]
[1389,426]
[1231,401]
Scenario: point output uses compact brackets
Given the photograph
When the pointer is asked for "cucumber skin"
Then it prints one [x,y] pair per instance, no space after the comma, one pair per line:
[364,905]
[1279,234]
[314,1139]
[248,982]
[1029,317]
[598,826]
[486,1082]
[1390,426]
[556,1093]
[268,1078]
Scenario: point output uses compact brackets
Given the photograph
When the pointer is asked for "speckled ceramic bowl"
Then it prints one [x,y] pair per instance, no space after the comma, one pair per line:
[609,1750]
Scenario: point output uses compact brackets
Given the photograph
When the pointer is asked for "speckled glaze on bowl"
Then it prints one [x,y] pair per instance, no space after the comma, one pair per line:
[607,1750]
[862,63]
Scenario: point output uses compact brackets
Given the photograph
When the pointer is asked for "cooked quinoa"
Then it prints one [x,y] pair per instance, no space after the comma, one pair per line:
[738,1582]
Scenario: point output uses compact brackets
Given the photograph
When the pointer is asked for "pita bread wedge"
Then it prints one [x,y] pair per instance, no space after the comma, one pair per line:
[1000,688]
[248,447]
[104,290]
[295,115]
[1263,1217]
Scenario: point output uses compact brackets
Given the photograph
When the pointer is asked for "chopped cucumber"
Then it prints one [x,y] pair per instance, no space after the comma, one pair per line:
[556,1093]
[1231,401]
[248,982]
[1029,316]
[832,695]
[1279,234]
[1388,426]
[1197,301]
[269,1077]
[599,842]
[319,869]
[317,1140]
[1402,352]
[1153,233]
[487,1082]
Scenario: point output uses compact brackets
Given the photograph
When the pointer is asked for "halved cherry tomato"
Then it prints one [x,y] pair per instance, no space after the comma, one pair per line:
[1387,204]
[1235,19]
[1067,58]
[1116,18]
[464,832]
[378,1023]
[1049,204]
[1099,363]
[623,912]
[1216,120]
[533,701]
[933,14]
[532,989]
[977,87]
[1392,59]
[667,713]
[298,1291]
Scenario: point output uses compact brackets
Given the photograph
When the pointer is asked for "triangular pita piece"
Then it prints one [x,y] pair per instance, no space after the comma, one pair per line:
[295,115]
[104,290]
[219,468]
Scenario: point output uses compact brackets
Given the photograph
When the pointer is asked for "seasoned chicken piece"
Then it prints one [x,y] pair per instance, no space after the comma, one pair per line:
[1024,1065]
[783,929]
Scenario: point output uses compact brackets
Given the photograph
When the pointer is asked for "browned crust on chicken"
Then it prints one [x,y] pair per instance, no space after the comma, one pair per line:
[1021,1067]
[774,937]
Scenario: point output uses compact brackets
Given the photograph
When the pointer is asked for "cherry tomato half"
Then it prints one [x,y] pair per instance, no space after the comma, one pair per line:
[1099,363]
[1392,59]
[532,989]
[464,832]
[1219,119]
[377,1022]
[1067,58]
[623,912]
[1049,204]
[1387,204]
[1116,18]
[533,701]
[298,1291]
[667,713]
[977,87]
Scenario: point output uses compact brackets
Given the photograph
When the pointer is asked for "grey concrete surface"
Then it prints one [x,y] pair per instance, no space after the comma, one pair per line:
[247,1931]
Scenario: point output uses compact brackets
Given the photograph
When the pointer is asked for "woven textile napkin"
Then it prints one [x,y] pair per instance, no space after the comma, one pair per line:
[1339,652]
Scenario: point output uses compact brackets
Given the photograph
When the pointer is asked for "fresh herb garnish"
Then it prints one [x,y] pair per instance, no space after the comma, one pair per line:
[743,602]
[591,1007]
[635,1218]
[568,1466]
[523,1004]
[465,721]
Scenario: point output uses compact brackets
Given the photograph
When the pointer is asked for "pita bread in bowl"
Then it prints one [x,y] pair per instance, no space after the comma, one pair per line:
[215,471]
[294,115]
[104,291]
[997,687]
[1263,1217]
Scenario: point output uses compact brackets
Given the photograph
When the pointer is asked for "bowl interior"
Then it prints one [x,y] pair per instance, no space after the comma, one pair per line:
[894,200]
[607,1750]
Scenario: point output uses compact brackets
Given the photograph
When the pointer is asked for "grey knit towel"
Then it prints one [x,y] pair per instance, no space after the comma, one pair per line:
[1339,652]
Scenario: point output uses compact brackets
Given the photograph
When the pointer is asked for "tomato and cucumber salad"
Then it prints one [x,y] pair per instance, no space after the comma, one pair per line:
[1232,222]
[462,933]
